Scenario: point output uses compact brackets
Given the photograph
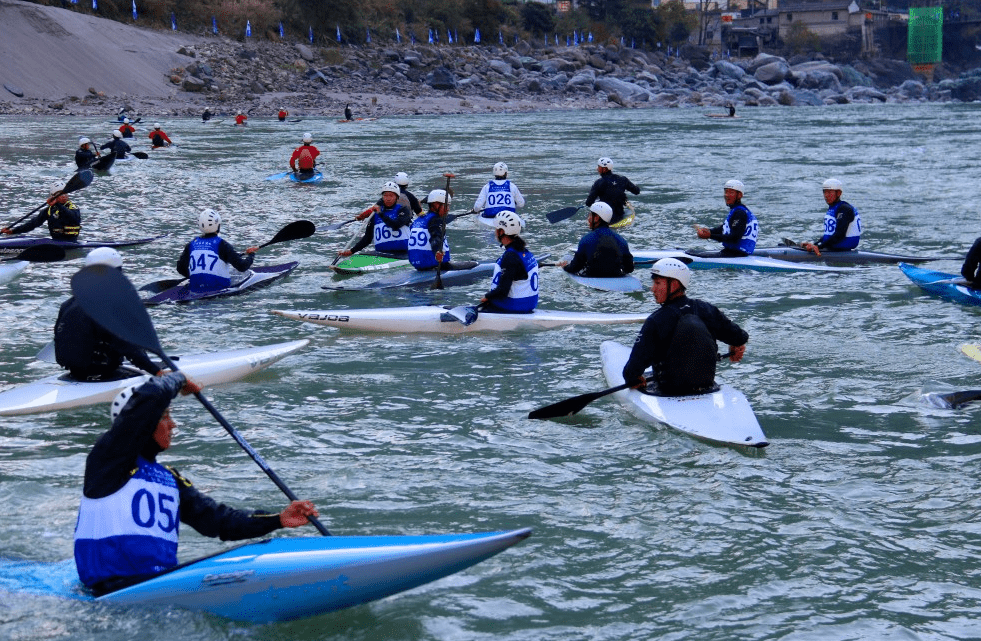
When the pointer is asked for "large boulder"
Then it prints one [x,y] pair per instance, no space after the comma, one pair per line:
[761,60]
[773,73]
[726,69]
[500,67]
[441,78]
[627,91]
[305,52]
[582,82]
[818,80]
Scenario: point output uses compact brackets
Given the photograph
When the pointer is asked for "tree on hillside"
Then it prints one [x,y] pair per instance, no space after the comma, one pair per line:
[537,17]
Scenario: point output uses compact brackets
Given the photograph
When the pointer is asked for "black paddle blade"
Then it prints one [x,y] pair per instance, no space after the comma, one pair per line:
[294,231]
[571,406]
[80,180]
[41,254]
[142,155]
[111,301]
[160,286]
[954,400]
[561,214]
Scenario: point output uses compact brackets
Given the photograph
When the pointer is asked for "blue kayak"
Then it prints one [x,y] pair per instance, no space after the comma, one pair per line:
[284,578]
[310,179]
[254,278]
[947,286]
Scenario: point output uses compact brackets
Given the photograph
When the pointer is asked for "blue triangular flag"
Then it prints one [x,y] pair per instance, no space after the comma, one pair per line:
[430,36]
[74,1]
[280,30]
[449,37]
[590,36]
[248,28]
[476,36]
[214,25]
[95,5]
[311,34]
[368,36]
[500,38]
[633,44]
[173,21]
[134,9]
[338,33]
[398,36]
[412,37]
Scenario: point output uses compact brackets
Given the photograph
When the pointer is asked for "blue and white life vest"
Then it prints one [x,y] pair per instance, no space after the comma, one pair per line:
[523,296]
[748,242]
[852,235]
[132,531]
[421,254]
[499,198]
[208,270]
[388,239]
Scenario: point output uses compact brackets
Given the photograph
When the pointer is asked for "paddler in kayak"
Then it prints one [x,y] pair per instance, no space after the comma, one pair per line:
[62,215]
[389,225]
[428,246]
[499,194]
[206,115]
[602,253]
[208,259]
[241,119]
[127,129]
[516,272]
[611,188]
[282,114]
[86,350]
[158,137]
[842,224]
[679,339]
[117,144]
[132,506]
[406,197]
[86,154]
[971,269]
[739,231]
[304,158]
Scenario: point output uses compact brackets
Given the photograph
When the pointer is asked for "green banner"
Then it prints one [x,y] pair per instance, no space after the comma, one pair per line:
[925,39]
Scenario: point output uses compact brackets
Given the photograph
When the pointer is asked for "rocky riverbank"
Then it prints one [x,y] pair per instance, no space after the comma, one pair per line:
[155,73]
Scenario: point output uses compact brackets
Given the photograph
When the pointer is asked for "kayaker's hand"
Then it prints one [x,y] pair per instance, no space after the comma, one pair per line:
[811,247]
[6,230]
[251,250]
[191,387]
[344,253]
[737,353]
[483,301]
[642,384]
[365,213]
[703,232]
[296,513]
[562,263]
[439,257]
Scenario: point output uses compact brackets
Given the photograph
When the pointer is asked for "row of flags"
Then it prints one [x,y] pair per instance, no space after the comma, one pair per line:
[576,38]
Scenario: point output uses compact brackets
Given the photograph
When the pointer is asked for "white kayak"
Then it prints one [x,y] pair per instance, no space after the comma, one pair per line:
[612,284]
[724,416]
[62,392]
[435,320]
[752,262]
[8,271]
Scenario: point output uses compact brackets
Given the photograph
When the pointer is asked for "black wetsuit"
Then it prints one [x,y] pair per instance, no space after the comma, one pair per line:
[84,158]
[602,253]
[612,189]
[64,221]
[653,346]
[971,270]
[118,145]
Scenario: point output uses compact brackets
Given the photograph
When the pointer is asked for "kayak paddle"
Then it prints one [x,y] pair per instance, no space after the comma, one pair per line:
[80,180]
[466,314]
[438,283]
[571,406]
[142,155]
[40,254]
[451,217]
[562,214]
[110,300]
[337,226]
[954,400]
[294,231]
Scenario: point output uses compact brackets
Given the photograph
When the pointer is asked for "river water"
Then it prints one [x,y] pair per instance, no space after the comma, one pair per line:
[859,521]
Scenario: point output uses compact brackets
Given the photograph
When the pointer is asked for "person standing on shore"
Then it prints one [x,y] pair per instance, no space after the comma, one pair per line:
[499,194]
[739,231]
[611,188]
[842,224]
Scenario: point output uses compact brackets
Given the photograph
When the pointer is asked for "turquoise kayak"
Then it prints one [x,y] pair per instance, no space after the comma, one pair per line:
[281,579]
[947,286]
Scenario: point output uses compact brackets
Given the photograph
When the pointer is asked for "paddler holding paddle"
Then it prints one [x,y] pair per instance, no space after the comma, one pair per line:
[207,260]
[86,350]
[117,144]
[739,231]
[406,197]
[63,218]
[303,162]
[389,224]
[499,194]
[611,188]
[126,129]
[158,137]
[516,272]
[679,339]
[86,154]
[132,506]
[971,269]
[428,246]
[842,224]
[602,253]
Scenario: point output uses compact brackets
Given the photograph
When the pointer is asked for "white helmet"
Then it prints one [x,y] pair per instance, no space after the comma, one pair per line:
[84,141]
[672,268]
[832,183]
[125,121]
[308,137]
[238,113]
[104,256]
[117,134]
[209,221]
[120,401]
[55,189]
[736,185]
[156,125]
[602,210]
[439,196]
[509,221]
[402,178]
[392,187]
[500,170]
[605,162]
